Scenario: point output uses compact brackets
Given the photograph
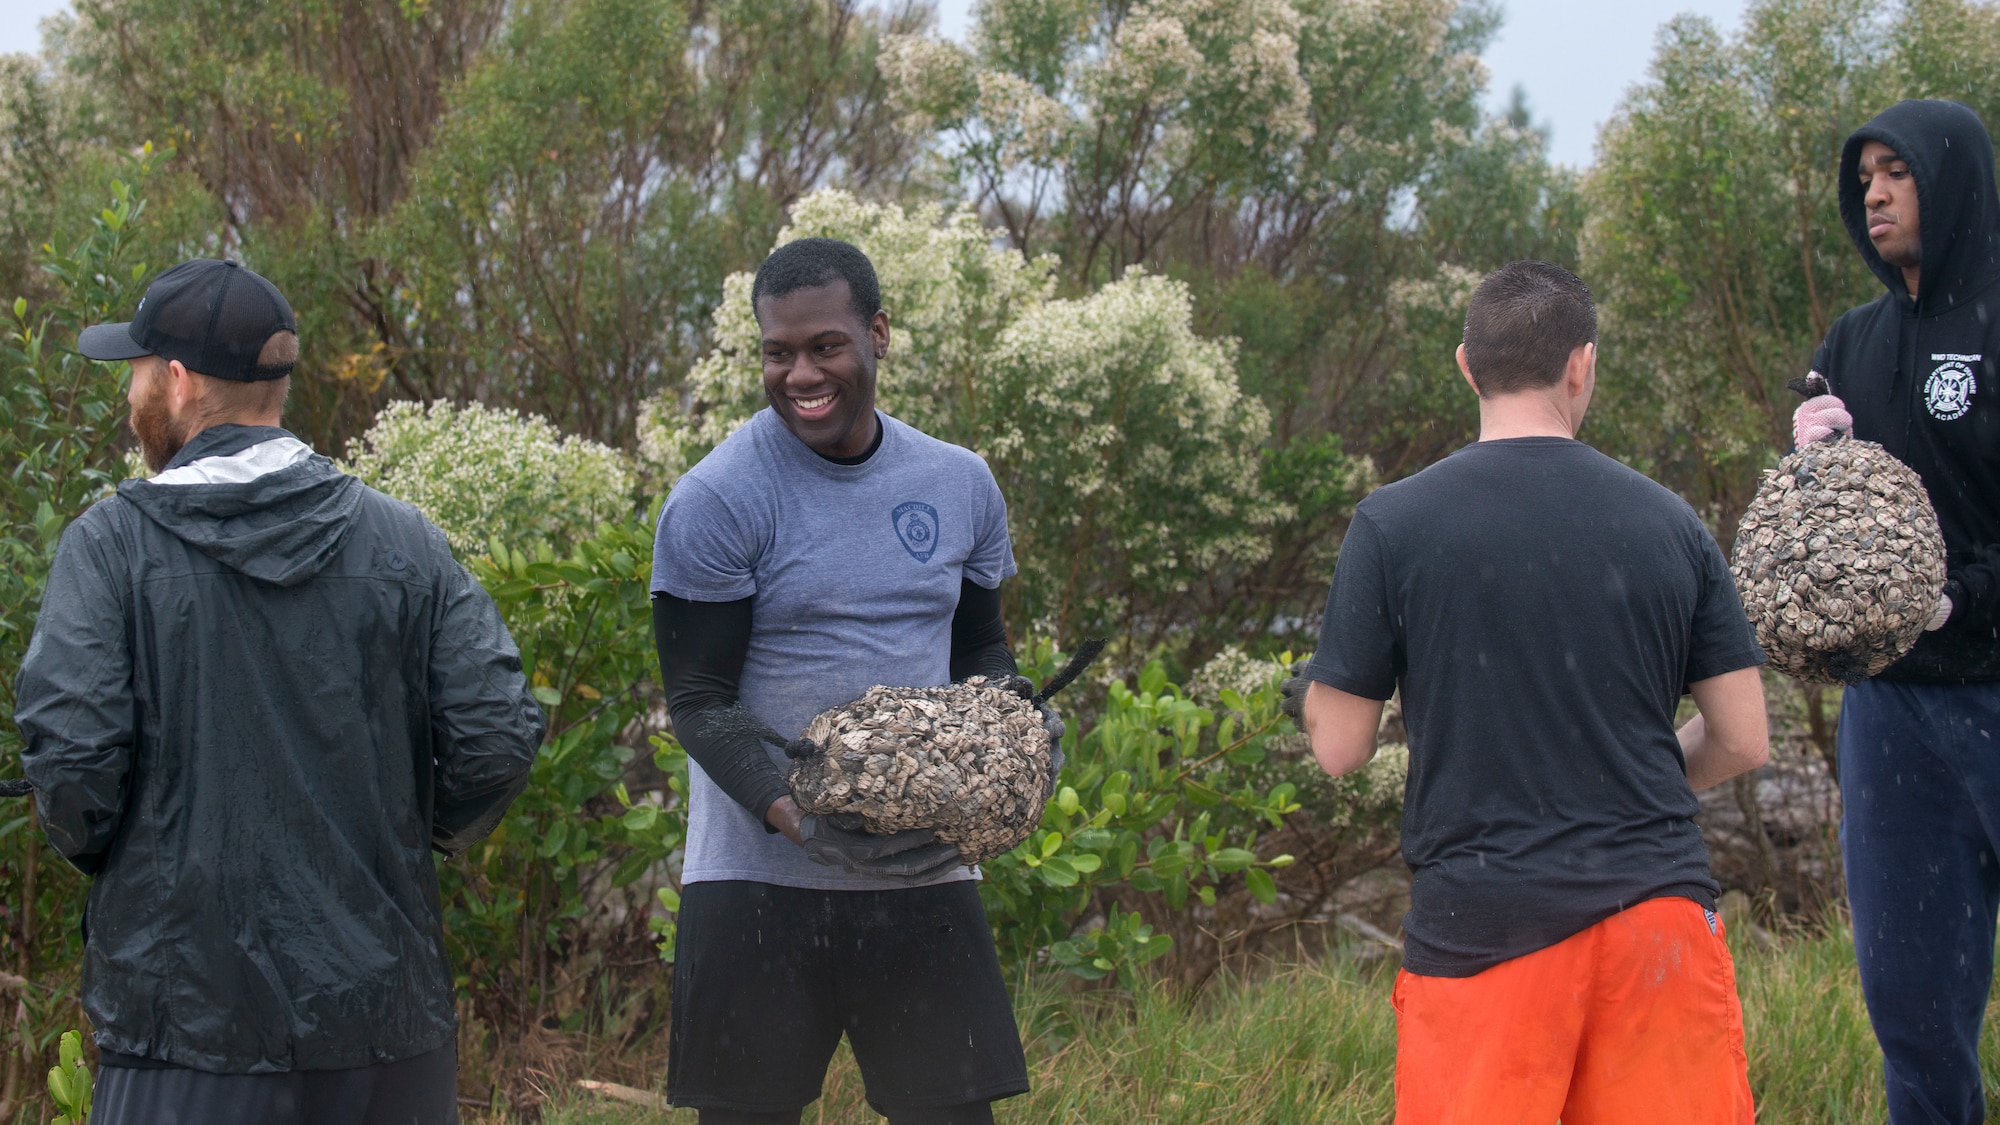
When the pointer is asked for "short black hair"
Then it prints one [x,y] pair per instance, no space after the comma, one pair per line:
[1524,321]
[809,263]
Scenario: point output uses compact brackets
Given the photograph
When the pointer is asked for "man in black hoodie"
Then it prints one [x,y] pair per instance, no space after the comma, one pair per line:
[258,696]
[1919,745]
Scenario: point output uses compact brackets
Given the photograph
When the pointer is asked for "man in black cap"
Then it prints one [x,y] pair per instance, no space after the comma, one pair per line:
[1918,370]
[259,694]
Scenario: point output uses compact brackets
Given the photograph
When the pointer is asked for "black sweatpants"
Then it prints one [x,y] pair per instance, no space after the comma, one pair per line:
[418,1091]
[768,978]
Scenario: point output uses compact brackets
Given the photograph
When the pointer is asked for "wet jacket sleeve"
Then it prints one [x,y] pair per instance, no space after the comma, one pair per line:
[702,646]
[75,705]
[979,636]
[485,723]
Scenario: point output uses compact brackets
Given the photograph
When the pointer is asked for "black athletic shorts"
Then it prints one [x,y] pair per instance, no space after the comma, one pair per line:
[767,978]
[415,1091]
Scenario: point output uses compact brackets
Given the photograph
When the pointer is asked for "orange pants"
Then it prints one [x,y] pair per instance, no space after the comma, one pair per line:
[1633,1021]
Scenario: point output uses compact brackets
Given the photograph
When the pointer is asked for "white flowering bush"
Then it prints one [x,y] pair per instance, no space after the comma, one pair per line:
[485,475]
[1127,453]
[1230,670]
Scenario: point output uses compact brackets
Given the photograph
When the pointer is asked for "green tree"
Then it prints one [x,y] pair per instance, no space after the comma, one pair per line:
[530,204]
[300,122]
[1318,173]
[599,171]
[59,437]
[1714,232]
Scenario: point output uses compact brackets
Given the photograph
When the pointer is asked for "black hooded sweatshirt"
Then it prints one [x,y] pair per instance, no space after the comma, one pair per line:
[258,695]
[1922,376]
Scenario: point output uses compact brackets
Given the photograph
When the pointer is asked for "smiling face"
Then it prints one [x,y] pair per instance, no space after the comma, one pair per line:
[1890,194]
[819,366]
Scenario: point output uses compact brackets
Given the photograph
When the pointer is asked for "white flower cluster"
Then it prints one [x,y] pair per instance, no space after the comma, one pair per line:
[932,79]
[1362,796]
[1028,126]
[1445,292]
[482,474]
[1232,669]
[1115,430]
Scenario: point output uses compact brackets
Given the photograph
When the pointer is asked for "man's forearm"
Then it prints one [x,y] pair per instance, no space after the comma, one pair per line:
[1731,734]
[1708,763]
[1342,728]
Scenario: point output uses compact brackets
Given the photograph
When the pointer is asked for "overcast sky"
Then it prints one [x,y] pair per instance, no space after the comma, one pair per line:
[1574,57]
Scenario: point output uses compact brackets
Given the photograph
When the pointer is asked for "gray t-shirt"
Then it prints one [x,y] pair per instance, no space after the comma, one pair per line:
[855,571]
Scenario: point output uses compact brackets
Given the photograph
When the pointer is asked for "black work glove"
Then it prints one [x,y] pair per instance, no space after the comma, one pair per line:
[913,856]
[1025,688]
[1293,703]
[1973,589]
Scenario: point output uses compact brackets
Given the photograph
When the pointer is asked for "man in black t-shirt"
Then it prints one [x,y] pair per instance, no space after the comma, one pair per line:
[1542,609]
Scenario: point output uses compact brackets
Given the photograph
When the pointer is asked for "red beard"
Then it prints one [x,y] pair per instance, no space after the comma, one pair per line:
[160,435]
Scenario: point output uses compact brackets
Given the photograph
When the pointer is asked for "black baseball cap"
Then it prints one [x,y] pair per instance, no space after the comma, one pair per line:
[213,316]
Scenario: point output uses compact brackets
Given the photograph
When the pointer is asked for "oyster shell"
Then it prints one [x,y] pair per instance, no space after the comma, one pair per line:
[1839,561]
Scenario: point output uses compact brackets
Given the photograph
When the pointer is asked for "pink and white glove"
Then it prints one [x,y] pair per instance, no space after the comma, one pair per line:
[1819,417]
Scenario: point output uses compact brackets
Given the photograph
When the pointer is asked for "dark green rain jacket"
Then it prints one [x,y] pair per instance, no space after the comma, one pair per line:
[259,694]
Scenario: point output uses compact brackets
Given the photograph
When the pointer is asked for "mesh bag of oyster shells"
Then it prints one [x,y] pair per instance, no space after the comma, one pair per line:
[970,760]
[1839,559]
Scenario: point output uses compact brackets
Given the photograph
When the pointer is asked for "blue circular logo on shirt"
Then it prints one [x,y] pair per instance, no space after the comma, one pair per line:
[916,525]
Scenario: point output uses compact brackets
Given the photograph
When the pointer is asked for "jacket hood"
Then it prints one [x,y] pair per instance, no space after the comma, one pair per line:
[255,499]
[1950,155]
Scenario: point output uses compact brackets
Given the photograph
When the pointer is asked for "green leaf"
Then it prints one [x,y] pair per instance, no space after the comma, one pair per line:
[548,696]
[1058,872]
[1232,859]
[641,818]
[1262,886]
[1128,857]
[1248,754]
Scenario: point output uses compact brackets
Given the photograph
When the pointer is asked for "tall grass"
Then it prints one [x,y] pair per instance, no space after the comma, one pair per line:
[1316,1044]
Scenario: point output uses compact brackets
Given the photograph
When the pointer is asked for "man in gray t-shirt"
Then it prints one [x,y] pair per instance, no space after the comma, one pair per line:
[825,548]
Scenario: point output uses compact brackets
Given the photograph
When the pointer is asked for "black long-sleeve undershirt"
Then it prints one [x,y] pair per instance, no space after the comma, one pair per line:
[702,647]
[979,636]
